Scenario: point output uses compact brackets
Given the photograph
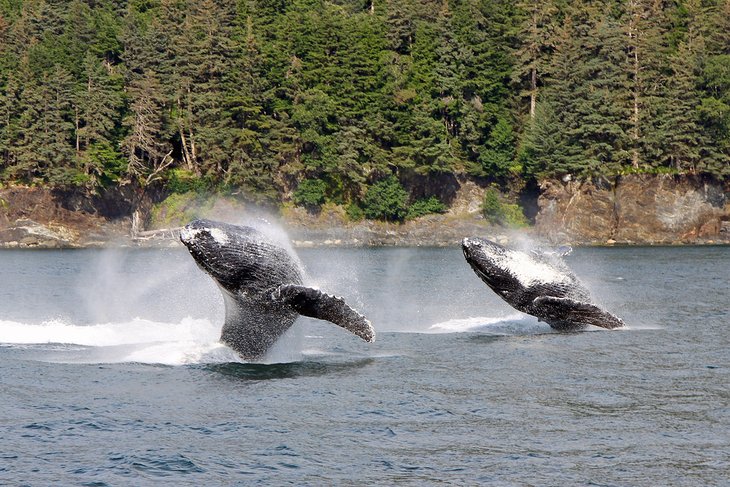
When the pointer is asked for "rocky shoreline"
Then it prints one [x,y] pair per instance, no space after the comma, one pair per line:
[434,231]
[431,231]
[633,210]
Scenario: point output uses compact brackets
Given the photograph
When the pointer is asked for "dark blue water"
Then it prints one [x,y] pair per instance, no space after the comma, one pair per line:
[111,374]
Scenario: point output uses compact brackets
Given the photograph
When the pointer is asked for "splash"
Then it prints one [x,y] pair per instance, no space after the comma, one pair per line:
[513,324]
[235,212]
[531,260]
[118,285]
[191,341]
[139,340]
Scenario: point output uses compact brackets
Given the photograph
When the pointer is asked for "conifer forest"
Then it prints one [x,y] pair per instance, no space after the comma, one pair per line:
[315,101]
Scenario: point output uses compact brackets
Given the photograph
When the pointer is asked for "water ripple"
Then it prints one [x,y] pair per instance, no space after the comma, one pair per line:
[258,372]
[154,465]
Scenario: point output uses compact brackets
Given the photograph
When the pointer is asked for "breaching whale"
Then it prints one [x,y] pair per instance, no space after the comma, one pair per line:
[262,287]
[538,284]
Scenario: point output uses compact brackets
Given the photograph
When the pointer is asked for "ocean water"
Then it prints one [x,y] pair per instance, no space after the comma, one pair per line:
[111,374]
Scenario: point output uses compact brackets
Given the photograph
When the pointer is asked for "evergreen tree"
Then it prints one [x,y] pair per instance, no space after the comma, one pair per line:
[7,91]
[98,116]
[257,96]
[9,109]
[544,147]
[61,166]
[603,104]
[251,135]
[714,109]
[563,80]
[646,27]
[498,155]
[42,149]
[535,37]
[677,112]
[386,200]
[678,115]
[400,21]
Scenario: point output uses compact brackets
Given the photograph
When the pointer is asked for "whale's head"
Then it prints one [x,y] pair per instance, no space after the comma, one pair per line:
[237,257]
[508,270]
[491,262]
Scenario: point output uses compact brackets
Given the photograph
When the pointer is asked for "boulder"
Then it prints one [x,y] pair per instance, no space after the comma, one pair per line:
[27,233]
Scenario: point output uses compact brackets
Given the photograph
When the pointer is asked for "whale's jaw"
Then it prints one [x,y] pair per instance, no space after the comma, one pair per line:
[489,262]
[209,243]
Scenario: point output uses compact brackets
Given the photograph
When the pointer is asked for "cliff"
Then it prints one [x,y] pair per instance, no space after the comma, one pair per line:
[635,209]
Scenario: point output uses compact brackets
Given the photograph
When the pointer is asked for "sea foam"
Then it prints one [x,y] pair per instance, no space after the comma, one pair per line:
[512,324]
[139,340]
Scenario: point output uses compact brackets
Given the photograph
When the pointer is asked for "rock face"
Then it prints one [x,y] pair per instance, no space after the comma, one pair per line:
[639,209]
[27,233]
[37,218]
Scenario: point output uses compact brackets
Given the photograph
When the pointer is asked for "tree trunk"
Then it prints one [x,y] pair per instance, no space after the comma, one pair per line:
[136,223]
[533,92]
[193,151]
[186,153]
[78,138]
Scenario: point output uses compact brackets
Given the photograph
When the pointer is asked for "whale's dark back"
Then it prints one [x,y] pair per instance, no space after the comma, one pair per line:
[240,259]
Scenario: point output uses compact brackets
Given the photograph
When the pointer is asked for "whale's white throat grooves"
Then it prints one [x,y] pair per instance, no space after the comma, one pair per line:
[528,270]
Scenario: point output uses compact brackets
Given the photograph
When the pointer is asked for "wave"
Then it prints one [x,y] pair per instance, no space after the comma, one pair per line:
[190,341]
[513,324]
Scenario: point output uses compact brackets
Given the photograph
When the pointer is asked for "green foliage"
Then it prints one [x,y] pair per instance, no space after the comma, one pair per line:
[425,206]
[103,164]
[514,216]
[354,212]
[310,193]
[498,156]
[184,181]
[181,208]
[492,208]
[544,149]
[386,200]
[498,212]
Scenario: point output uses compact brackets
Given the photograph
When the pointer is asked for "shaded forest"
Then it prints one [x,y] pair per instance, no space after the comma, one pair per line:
[356,101]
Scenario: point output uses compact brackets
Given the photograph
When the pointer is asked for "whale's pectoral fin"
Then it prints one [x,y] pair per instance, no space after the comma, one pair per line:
[316,304]
[572,311]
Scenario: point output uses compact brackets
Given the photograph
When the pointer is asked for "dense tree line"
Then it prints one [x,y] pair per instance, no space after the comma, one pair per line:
[330,99]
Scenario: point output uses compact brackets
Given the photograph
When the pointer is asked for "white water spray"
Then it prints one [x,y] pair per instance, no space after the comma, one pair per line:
[139,340]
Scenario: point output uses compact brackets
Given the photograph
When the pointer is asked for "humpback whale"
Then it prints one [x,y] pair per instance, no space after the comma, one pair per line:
[262,287]
[538,283]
